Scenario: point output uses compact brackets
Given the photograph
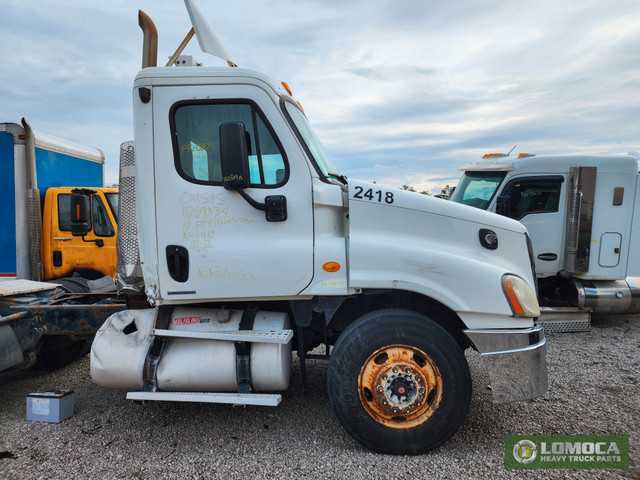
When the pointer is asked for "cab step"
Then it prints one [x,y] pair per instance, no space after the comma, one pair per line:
[262,399]
[564,319]
[257,336]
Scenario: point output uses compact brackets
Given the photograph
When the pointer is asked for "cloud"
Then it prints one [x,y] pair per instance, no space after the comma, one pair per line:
[397,91]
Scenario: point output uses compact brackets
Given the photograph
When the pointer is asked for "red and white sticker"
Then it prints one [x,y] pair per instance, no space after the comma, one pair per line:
[186,320]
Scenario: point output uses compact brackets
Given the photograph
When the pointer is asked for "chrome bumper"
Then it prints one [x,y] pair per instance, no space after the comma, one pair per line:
[516,360]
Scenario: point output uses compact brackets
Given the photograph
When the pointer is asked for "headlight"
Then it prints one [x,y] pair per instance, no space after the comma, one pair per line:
[521,297]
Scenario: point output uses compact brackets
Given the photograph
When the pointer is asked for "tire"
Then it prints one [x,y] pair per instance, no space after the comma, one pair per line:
[56,351]
[410,362]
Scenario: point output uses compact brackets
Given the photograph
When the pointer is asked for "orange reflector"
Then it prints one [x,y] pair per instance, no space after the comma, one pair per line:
[513,299]
[286,87]
[300,105]
[22,137]
[78,211]
[488,155]
[331,267]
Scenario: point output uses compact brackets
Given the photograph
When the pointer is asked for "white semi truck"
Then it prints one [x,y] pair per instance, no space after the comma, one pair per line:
[583,216]
[251,245]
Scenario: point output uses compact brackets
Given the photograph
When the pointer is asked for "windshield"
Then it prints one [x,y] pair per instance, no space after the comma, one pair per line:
[113,199]
[477,188]
[315,148]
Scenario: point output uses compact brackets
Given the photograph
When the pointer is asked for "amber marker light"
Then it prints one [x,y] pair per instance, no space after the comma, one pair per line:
[286,87]
[513,298]
[331,267]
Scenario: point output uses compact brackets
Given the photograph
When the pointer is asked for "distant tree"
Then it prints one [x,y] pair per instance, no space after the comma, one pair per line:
[411,188]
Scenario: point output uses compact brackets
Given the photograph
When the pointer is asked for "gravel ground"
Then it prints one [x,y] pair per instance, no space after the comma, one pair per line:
[594,389]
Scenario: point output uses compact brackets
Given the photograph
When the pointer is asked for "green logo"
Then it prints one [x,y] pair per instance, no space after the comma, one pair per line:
[525,451]
[566,451]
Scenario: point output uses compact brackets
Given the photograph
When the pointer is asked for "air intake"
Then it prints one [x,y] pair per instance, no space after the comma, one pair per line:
[129,273]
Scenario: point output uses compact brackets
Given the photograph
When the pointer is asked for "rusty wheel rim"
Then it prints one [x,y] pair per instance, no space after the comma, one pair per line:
[400,386]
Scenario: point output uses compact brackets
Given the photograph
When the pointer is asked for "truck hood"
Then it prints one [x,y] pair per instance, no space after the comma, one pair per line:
[408,241]
[424,203]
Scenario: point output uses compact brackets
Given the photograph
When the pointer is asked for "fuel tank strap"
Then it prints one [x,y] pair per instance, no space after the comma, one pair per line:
[152,360]
[243,357]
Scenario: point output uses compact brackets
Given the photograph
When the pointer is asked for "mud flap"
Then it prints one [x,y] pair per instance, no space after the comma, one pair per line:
[10,349]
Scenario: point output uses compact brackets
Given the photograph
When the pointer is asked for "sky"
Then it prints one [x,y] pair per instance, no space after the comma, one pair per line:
[400,92]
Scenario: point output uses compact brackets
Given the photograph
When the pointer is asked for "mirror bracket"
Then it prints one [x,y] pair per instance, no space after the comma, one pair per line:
[274,206]
[503,205]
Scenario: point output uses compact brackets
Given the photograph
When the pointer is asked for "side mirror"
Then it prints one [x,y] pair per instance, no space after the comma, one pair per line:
[233,156]
[503,205]
[80,224]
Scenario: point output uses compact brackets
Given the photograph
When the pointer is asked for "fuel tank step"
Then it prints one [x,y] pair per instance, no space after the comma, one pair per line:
[258,336]
[262,399]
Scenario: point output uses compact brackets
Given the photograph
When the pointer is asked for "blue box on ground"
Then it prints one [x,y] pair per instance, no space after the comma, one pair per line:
[53,407]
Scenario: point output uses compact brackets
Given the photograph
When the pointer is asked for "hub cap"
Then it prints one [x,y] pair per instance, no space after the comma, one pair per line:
[400,386]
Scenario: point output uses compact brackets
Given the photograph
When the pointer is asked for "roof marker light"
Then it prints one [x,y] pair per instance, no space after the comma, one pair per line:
[286,87]
[524,155]
[492,155]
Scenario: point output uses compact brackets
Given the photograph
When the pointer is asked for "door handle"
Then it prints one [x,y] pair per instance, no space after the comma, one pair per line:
[548,257]
[178,262]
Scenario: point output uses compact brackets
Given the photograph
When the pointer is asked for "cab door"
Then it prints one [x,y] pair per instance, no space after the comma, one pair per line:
[212,244]
[539,203]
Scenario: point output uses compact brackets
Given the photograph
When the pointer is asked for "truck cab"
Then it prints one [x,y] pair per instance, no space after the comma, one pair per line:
[251,245]
[580,211]
[63,253]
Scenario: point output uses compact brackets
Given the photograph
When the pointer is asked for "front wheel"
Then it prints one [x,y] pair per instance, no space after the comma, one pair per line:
[398,382]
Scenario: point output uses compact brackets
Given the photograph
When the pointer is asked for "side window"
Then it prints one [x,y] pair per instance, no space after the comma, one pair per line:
[64,211]
[101,225]
[533,195]
[100,220]
[196,143]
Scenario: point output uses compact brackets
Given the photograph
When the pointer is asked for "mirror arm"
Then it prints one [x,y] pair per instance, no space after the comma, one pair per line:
[98,241]
[255,204]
